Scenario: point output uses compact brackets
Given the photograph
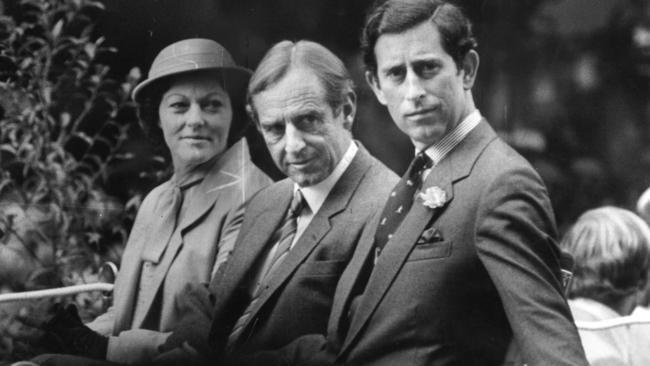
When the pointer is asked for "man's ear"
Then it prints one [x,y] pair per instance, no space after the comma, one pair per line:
[371,79]
[253,116]
[470,69]
[349,109]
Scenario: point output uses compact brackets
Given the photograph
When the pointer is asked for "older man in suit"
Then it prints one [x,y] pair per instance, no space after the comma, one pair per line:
[462,261]
[273,290]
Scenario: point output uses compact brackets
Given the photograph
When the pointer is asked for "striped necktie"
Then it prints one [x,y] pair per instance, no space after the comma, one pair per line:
[283,237]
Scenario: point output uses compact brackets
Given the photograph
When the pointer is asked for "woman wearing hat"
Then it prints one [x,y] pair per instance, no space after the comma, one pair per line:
[185,227]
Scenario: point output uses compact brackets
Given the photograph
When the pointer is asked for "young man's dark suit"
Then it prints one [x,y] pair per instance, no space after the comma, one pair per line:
[456,282]
[299,299]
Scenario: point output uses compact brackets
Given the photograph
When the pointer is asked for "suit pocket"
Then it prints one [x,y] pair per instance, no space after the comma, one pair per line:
[437,249]
[321,268]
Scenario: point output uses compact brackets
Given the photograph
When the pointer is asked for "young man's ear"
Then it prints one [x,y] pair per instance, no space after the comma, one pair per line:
[470,69]
[371,79]
[349,109]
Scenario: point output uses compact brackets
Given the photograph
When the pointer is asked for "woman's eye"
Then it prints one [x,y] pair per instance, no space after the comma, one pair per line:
[213,105]
[178,106]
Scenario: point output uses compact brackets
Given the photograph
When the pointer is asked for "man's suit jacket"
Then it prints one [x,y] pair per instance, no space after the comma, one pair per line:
[299,297]
[457,282]
[209,228]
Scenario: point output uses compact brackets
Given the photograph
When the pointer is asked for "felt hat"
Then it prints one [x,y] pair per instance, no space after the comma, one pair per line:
[191,55]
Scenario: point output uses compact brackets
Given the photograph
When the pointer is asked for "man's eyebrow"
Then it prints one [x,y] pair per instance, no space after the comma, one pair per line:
[306,113]
[392,66]
[271,122]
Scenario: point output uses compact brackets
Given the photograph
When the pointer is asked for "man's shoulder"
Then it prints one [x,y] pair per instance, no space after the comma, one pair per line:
[270,194]
[380,176]
[499,158]
[374,186]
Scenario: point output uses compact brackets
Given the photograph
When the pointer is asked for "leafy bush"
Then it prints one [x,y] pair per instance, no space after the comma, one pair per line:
[63,121]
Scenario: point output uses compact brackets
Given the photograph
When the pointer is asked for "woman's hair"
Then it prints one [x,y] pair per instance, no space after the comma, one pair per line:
[611,249]
[149,104]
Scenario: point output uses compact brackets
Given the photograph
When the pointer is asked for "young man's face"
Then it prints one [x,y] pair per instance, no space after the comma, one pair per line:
[419,82]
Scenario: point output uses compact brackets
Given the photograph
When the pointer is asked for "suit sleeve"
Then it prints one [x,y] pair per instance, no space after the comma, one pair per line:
[195,303]
[228,237]
[104,324]
[515,233]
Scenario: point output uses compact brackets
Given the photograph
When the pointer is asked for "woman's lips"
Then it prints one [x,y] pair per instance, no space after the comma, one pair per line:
[202,138]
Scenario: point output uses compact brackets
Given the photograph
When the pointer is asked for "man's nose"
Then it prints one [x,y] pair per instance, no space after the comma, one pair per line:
[294,141]
[414,88]
[194,115]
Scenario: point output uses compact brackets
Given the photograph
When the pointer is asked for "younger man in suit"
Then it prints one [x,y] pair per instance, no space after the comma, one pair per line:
[474,263]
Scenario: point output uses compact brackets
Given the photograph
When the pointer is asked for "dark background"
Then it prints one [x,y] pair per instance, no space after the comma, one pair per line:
[565,82]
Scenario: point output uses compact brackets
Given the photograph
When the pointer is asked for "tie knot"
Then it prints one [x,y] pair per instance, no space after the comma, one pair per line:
[419,163]
[297,203]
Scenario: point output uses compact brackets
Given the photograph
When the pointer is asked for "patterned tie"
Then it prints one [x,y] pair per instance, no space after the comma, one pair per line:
[283,236]
[400,201]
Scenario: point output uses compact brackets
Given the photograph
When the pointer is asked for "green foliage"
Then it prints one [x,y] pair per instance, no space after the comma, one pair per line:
[63,120]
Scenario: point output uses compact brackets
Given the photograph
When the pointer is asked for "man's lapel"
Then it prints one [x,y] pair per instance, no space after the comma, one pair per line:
[350,276]
[453,168]
[252,243]
[337,200]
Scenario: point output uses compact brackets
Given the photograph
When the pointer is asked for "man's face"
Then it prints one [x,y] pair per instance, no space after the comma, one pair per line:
[305,136]
[426,94]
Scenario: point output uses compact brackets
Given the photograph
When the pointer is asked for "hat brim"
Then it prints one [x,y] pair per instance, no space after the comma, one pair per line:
[236,80]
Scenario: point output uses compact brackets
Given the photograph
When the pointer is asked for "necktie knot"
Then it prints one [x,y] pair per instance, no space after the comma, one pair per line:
[421,162]
[297,204]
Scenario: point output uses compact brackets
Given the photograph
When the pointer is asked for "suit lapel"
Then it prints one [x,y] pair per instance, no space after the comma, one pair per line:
[337,200]
[349,278]
[252,243]
[126,292]
[456,166]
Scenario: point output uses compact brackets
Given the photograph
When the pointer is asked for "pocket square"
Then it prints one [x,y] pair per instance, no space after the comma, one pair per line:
[430,235]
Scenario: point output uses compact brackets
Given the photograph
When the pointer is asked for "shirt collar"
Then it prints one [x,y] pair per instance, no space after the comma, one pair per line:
[315,195]
[440,149]
[594,308]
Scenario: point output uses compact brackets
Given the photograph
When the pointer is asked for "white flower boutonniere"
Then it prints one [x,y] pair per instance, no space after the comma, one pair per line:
[433,197]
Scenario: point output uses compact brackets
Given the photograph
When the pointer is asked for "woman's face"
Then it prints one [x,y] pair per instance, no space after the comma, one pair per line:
[195,117]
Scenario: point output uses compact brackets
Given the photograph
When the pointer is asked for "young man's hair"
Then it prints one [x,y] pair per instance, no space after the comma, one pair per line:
[397,16]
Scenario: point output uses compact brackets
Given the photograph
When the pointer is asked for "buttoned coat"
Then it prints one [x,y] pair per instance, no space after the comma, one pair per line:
[209,227]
